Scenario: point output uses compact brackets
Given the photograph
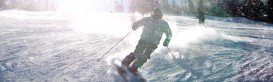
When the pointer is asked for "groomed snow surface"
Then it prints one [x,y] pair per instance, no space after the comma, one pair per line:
[52,47]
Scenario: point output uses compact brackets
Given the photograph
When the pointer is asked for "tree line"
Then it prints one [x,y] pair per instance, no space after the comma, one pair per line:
[31,5]
[258,10]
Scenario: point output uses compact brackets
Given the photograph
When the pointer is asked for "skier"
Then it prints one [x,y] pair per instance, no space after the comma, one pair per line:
[153,29]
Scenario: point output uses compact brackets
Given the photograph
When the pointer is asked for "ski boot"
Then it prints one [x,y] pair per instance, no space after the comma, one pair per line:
[128,59]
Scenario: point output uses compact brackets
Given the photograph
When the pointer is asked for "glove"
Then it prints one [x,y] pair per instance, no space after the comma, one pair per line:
[134,27]
[166,42]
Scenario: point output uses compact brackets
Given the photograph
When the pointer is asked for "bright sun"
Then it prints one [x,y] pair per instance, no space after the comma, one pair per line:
[83,6]
[93,16]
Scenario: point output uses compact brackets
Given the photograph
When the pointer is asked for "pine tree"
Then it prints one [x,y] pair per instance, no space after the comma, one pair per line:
[201,12]
[165,6]
[191,6]
[270,10]
[173,7]
[253,9]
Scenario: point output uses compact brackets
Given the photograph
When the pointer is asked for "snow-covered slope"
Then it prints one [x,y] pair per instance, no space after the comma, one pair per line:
[39,46]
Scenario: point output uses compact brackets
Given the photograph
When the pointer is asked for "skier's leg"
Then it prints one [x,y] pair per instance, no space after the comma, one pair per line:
[140,61]
[142,45]
[150,49]
[132,56]
[146,55]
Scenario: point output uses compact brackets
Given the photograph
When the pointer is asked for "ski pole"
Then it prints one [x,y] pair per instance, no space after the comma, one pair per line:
[171,52]
[113,46]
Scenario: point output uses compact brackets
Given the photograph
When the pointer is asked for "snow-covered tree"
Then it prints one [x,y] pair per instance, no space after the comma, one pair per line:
[142,6]
[2,3]
[191,6]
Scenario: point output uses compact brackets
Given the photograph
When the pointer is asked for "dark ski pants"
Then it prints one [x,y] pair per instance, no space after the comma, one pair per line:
[141,54]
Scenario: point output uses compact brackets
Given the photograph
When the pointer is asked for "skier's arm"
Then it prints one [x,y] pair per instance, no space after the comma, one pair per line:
[168,34]
[138,24]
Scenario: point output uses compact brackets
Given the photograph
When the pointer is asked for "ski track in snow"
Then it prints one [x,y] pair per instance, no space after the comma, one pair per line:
[40,47]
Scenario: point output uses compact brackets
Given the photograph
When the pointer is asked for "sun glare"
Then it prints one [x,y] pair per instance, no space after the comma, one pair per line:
[92,16]
[83,6]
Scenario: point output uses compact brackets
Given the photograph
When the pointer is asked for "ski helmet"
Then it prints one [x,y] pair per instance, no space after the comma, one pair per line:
[157,14]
